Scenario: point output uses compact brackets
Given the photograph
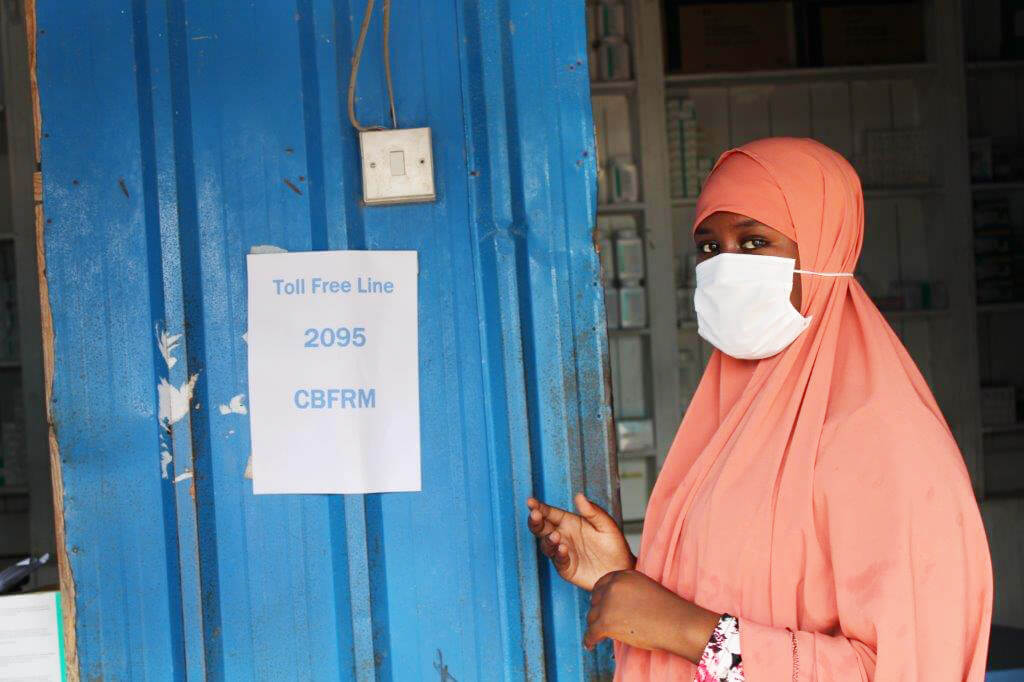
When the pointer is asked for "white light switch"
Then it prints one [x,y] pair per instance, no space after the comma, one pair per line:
[398,163]
[398,166]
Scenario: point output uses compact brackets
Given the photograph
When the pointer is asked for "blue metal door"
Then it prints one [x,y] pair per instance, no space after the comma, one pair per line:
[177,136]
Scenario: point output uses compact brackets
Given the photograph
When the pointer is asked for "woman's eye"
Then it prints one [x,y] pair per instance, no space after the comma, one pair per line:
[754,243]
[708,247]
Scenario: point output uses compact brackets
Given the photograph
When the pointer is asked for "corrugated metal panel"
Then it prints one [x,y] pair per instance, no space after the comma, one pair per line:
[176,136]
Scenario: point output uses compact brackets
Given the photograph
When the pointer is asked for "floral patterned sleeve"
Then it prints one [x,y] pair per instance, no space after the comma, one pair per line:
[721,661]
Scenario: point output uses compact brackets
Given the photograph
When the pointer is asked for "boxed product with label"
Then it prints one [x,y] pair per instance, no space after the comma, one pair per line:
[635,487]
[879,33]
[632,305]
[628,378]
[737,37]
[613,60]
[629,255]
[635,434]
[609,20]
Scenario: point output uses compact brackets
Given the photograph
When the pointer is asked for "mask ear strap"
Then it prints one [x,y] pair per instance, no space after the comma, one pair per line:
[825,274]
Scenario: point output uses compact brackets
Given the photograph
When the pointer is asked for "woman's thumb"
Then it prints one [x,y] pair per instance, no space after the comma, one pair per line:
[597,517]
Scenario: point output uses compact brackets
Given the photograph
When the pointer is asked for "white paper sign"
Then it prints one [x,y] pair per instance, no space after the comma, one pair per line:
[334,372]
[30,637]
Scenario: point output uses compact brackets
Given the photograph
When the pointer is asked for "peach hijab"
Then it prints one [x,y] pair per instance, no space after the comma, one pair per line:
[818,495]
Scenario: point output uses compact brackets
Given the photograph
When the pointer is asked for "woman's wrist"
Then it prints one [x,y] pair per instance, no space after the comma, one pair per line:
[693,627]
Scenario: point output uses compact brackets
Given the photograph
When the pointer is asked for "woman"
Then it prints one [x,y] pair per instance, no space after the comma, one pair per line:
[813,519]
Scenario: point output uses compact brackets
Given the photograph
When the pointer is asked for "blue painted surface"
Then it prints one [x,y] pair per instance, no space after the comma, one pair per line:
[177,135]
[1005,675]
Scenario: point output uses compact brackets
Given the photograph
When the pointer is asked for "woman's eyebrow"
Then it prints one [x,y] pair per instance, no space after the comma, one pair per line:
[702,231]
[749,222]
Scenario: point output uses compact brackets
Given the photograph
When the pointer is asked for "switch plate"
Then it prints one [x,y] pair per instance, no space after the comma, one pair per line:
[398,166]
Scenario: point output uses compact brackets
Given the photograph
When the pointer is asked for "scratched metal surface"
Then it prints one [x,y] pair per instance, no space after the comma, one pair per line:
[176,136]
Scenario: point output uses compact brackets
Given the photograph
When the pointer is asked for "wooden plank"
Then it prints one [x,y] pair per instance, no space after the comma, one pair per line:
[661,295]
[712,107]
[879,262]
[871,110]
[830,116]
[791,110]
[67,581]
[906,104]
[983,27]
[913,235]
[956,353]
[975,123]
[1006,542]
[999,120]
[750,114]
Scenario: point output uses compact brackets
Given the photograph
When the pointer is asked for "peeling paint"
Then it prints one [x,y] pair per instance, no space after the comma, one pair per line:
[234,406]
[165,459]
[167,343]
[267,248]
[174,401]
[248,469]
[245,337]
[183,476]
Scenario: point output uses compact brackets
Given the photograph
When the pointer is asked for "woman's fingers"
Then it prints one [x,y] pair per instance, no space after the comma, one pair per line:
[593,635]
[561,557]
[539,525]
[550,549]
[552,514]
[543,518]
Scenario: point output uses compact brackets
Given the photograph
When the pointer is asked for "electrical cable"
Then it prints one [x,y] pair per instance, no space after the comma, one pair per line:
[357,57]
[386,19]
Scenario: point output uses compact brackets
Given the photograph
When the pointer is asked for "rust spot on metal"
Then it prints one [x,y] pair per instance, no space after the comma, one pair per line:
[292,186]
[289,150]
[124,187]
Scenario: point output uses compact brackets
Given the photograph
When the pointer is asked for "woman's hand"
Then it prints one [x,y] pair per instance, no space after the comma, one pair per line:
[629,607]
[583,547]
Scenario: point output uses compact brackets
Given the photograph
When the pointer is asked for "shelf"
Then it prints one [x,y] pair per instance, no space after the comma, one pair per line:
[996,308]
[10,364]
[632,526]
[995,65]
[799,74]
[1017,186]
[915,314]
[6,237]
[612,87]
[629,331]
[605,209]
[869,193]
[997,429]
[688,326]
[13,491]
[637,454]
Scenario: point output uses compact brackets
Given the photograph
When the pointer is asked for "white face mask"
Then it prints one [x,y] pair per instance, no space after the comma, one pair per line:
[743,306]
